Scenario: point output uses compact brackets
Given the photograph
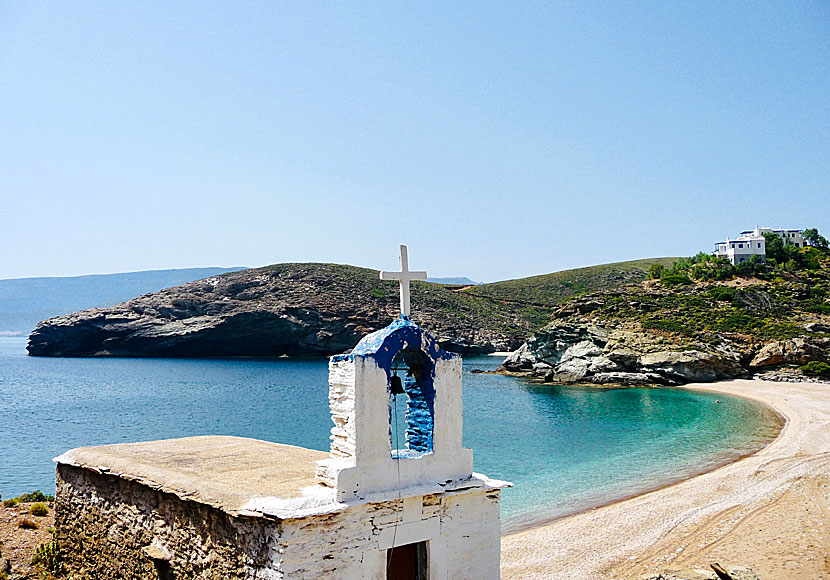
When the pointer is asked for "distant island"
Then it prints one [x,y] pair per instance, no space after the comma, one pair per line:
[457,280]
[26,301]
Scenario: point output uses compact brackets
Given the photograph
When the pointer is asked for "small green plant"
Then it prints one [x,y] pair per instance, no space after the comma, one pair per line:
[666,326]
[722,293]
[816,368]
[10,503]
[377,293]
[39,509]
[655,271]
[675,280]
[814,238]
[34,496]
[48,557]
[27,524]
[737,322]
[816,307]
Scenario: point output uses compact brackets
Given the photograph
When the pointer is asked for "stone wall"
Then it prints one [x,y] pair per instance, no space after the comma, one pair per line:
[109,527]
[112,528]
[342,405]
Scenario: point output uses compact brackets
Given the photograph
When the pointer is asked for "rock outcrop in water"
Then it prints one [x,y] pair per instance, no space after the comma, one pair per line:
[286,309]
[585,352]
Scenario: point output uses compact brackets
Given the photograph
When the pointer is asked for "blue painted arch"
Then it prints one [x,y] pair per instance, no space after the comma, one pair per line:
[417,352]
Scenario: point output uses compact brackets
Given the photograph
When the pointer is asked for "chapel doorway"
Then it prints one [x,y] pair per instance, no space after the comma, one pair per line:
[408,562]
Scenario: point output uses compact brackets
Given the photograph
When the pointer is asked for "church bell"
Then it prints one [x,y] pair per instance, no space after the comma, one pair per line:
[396,385]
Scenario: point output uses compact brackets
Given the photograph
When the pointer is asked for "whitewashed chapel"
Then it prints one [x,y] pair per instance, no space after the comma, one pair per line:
[395,497]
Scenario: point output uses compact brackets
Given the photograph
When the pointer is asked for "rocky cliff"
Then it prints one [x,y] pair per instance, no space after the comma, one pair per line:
[653,333]
[596,353]
[285,309]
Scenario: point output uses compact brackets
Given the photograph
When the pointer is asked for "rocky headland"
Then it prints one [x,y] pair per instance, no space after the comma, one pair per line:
[285,309]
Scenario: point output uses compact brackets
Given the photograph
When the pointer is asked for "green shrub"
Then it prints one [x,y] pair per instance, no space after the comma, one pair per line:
[48,556]
[816,307]
[675,280]
[655,271]
[703,266]
[722,293]
[737,322]
[9,503]
[816,368]
[36,495]
[39,509]
[666,326]
[27,524]
[780,330]
[377,293]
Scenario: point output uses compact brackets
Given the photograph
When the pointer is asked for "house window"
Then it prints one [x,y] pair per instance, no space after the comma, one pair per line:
[759,244]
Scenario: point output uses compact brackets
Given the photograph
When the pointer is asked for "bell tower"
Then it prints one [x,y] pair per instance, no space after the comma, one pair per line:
[396,404]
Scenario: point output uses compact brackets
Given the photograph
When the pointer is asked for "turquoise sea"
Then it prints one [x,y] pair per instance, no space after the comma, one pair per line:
[565,448]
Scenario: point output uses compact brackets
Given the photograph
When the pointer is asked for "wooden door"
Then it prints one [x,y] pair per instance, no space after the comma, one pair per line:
[408,562]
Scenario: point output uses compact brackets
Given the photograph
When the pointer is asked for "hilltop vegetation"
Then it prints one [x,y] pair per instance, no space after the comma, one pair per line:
[549,290]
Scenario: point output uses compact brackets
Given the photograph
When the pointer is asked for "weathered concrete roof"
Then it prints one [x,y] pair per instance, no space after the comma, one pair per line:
[224,472]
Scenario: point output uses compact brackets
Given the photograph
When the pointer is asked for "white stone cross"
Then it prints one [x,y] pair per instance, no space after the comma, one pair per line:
[404,276]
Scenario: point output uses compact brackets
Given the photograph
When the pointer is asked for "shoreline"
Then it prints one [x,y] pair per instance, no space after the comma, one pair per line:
[656,530]
[781,422]
[543,522]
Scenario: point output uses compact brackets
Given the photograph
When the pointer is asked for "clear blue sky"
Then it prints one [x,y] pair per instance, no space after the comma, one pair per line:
[497,140]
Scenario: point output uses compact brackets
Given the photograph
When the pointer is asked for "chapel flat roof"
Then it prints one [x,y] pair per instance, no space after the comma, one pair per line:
[221,471]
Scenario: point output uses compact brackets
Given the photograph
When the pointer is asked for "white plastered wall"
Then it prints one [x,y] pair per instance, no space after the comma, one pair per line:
[461,529]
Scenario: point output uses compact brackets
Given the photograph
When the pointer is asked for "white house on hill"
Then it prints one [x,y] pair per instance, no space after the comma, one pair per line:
[752,243]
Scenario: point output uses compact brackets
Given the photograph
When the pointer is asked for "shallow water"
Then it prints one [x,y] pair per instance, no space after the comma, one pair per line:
[565,448]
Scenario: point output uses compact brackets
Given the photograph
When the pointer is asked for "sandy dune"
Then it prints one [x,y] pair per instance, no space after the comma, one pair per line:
[769,511]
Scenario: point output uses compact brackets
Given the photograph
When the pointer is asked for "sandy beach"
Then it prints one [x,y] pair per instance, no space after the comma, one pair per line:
[769,511]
